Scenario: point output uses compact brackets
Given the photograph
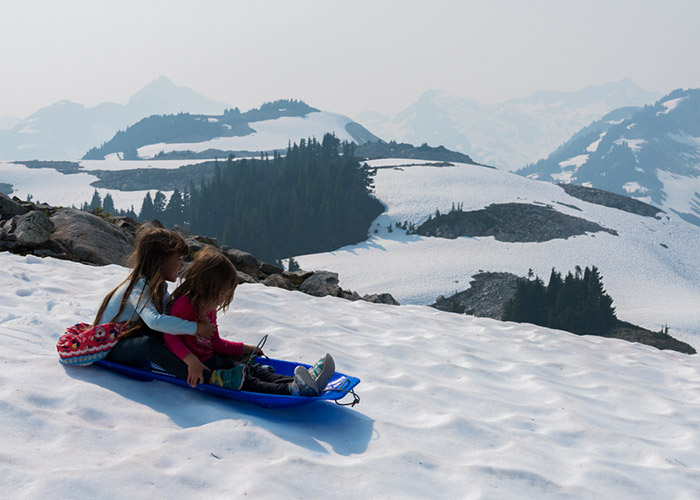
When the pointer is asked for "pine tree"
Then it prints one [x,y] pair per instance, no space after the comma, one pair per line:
[108,204]
[147,210]
[96,201]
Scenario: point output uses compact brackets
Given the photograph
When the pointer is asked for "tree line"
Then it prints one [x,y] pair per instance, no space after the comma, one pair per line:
[316,198]
[577,303]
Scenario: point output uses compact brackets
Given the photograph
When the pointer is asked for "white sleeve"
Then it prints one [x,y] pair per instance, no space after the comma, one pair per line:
[157,321]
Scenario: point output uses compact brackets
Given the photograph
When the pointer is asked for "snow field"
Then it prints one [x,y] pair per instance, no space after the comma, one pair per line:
[452,407]
[269,134]
[651,285]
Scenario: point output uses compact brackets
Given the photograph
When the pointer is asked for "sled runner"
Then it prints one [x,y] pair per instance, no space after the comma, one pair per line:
[339,386]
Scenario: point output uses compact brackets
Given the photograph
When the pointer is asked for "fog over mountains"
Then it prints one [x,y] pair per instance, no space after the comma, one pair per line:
[510,134]
[652,154]
[66,130]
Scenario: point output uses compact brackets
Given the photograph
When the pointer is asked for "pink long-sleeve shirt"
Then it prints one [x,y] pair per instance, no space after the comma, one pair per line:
[182,345]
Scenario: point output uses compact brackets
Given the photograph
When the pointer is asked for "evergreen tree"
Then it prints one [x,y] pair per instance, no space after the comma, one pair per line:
[159,204]
[96,200]
[108,204]
[175,210]
[147,210]
[578,303]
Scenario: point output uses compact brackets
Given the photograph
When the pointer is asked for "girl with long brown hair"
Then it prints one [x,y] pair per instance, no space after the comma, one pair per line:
[208,286]
[141,298]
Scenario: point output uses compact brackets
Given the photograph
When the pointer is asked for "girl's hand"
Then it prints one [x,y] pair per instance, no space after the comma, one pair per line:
[195,370]
[251,349]
[205,329]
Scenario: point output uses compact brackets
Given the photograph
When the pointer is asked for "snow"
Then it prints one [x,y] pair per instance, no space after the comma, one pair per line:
[681,191]
[576,161]
[269,134]
[481,410]
[634,144]
[634,187]
[670,105]
[593,147]
[651,285]
[55,188]
[685,139]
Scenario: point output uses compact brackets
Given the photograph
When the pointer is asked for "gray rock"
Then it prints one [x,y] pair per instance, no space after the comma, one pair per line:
[32,229]
[243,261]
[270,268]
[89,238]
[352,296]
[381,298]
[296,277]
[9,208]
[321,284]
[278,281]
[244,278]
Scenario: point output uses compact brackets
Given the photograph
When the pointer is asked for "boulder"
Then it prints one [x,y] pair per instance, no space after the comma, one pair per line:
[381,298]
[296,277]
[278,281]
[244,278]
[270,268]
[89,238]
[32,229]
[9,208]
[244,261]
[321,284]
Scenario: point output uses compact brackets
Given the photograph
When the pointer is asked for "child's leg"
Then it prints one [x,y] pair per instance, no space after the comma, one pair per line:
[141,348]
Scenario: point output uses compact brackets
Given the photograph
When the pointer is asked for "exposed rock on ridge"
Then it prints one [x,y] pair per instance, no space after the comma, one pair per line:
[67,233]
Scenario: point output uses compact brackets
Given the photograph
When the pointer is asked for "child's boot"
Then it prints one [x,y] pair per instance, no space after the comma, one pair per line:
[303,384]
[230,379]
[322,371]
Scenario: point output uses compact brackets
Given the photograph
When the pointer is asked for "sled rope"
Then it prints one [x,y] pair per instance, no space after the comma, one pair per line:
[355,397]
[260,345]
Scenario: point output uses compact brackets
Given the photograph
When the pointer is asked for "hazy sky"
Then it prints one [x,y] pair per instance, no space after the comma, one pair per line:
[346,57]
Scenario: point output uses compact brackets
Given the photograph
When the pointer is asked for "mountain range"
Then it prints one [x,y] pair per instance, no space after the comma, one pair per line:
[66,130]
[510,134]
[652,154]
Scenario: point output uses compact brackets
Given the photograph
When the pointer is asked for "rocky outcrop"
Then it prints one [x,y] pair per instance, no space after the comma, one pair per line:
[488,293]
[612,200]
[92,239]
[511,222]
[485,297]
[67,233]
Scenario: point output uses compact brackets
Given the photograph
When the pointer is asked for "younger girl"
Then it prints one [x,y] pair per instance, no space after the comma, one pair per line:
[140,300]
[208,285]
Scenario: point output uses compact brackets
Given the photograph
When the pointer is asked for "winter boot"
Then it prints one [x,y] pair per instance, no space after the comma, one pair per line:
[303,384]
[230,379]
[322,371]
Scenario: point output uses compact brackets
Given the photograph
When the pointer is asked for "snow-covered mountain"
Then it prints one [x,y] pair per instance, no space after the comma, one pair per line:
[452,407]
[652,154]
[66,130]
[261,135]
[510,134]
[649,266]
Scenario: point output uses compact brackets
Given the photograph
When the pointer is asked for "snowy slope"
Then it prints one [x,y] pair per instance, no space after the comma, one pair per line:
[652,155]
[268,135]
[651,269]
[55,188]
[509,134]
[452,407]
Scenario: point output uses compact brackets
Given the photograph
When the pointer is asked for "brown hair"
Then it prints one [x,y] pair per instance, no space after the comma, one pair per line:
[211,278]
[154,246]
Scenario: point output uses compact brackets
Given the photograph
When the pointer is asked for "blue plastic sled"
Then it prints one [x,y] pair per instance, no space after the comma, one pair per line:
[339,386]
